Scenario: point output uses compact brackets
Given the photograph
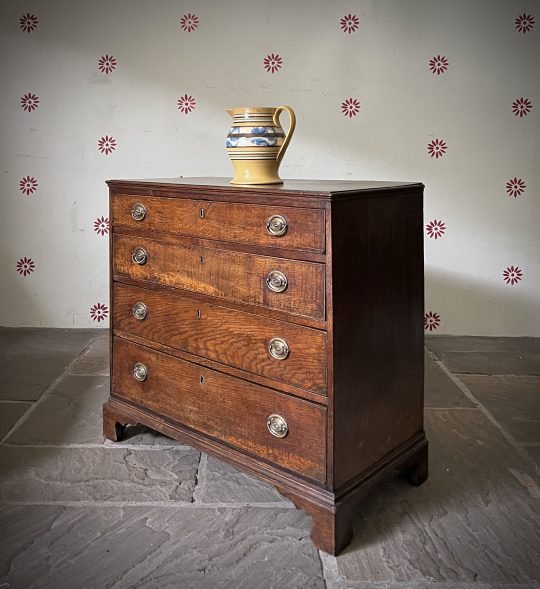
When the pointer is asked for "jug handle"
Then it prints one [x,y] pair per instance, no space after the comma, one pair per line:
[292,125]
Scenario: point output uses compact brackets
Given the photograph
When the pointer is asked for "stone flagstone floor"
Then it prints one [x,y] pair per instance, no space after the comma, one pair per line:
[80,512]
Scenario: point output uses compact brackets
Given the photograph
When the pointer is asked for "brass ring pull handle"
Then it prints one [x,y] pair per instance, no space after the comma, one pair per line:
[276,281]
[278,348]
[292,126]
[139,311]
[276,225]
[277,426]
[140,372]
[138,212]
[139,256]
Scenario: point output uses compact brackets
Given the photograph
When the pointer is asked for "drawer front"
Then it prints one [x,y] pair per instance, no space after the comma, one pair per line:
[238,339]
[223,407]
[295,228]
[230,275]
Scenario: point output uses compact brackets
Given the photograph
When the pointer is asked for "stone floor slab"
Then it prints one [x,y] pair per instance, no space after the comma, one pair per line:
[474,524]
[475,519]
[10,413]
[38,474]
[221,483]
[426,585]
[465,343]
[53,547]
[95,359]
[31,359]
[512,363]
[71,413]
[514,401]
[534,453]
[439,389]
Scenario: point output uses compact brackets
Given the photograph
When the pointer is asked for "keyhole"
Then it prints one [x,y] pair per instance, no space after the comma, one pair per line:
[202,259]
[201,213]
[201,379]
[198,313]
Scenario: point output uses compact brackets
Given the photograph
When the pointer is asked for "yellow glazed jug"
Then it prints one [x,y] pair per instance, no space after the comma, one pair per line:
[256,143]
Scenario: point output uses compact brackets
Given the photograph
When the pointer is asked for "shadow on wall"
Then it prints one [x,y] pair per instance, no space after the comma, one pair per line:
[21,296]
[460,297]
[40,309]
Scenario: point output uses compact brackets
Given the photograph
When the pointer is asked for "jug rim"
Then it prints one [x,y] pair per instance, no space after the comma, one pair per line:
[237,110]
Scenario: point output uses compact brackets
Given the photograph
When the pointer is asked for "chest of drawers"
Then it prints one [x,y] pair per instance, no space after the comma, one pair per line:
[278,328]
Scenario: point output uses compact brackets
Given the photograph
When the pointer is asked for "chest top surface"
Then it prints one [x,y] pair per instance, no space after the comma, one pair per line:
[330,189]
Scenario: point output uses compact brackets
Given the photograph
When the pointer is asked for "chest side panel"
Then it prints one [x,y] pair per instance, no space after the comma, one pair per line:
[378,301]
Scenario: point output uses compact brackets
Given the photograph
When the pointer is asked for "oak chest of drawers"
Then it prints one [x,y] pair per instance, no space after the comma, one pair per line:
[278,328]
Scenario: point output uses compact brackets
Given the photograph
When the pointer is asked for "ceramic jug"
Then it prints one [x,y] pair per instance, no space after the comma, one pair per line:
[256,143]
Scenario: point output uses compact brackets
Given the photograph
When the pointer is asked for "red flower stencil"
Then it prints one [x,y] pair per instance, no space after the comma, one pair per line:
[512,275]
[521,107]
[101,226]
[438,65]
[28,185]
[272,63]
[431,321]
[186,104]
[437,148]
[189,22]
[349,23]
[350,107]
[435,229]
[99,312]
[25,266]
[29,102]
[515,187]
[106,64]
[524,23]
[107,145]
[28,23]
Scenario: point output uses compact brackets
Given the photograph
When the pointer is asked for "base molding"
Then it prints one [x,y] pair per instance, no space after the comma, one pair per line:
[331,511]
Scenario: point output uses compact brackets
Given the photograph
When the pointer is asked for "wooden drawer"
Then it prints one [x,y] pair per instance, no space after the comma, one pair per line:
[224,221]
[224,335]
[223,407]
[226,274]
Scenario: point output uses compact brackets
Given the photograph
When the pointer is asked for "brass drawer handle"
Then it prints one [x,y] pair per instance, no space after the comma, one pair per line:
[140,310]
[278,348]
[140,372]
[276,281]
[138,212]
[139,256]
[276,225]
[277,426]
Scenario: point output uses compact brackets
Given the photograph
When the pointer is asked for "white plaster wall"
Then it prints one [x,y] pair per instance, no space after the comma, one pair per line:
[383,64]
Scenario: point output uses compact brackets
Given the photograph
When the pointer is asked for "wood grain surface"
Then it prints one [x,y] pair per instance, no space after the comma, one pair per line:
[224,274]
[235,222]
[224,335]
[224,407]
